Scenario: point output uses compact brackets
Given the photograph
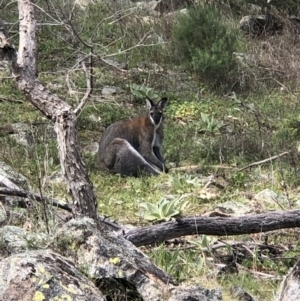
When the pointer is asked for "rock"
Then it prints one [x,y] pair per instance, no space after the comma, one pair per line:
[3,216]
[259,24]
[93,118]
[221,270]
[7,172]
[233,208]
[50,132]
[17,239]
[44,132]
[22,134]
[91,148]
[195,294]
[240,295]
[167,6]
[289,289]
[268,196]
[44,275]
[14,240]
[109,90]
[108,256]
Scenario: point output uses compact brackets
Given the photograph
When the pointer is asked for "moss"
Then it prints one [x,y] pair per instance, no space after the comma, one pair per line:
[38,296]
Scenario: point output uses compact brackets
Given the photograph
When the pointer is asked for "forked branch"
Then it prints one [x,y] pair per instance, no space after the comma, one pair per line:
[61,113]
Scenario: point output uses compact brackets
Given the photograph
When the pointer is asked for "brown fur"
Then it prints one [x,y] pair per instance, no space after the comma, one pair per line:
[128,147]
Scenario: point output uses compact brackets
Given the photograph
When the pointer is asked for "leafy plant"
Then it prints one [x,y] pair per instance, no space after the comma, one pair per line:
[141,92]
[206,44]
[185,110]
[211,125]
[163,210]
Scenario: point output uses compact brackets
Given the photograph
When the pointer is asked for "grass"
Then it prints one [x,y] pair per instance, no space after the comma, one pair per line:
[201,128]
[121,198]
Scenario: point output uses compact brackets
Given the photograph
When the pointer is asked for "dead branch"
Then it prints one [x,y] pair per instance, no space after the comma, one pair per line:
[112,65]
[23,66]
[35,197]
[190,168]
[221,226]
[89,84]
[259,274]
[14,190]
[264,161]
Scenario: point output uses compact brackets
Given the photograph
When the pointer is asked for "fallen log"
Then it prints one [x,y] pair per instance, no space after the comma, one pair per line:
[220,226]
[158,233]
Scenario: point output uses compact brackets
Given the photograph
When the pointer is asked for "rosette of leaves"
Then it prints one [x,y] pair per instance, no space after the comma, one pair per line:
[163,210]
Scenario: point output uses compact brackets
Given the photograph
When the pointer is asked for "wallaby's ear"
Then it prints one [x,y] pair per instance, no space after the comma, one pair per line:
[149,103]
[162,102]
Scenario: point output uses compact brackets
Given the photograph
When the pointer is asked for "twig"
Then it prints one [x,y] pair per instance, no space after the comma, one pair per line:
[284,87]
[210,181]
[259,274]
[264,161]
[10,100]
[27,194]
[186,168]
[89,84]
[195,167]
[112,65]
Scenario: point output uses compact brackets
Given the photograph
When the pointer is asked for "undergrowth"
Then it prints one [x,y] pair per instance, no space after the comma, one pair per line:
[217,135]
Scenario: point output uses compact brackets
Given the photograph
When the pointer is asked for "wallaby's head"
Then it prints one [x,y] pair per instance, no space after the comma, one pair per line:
[155,113]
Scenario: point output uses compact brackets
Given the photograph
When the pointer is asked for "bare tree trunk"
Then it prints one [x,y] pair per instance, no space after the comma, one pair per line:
[63,116]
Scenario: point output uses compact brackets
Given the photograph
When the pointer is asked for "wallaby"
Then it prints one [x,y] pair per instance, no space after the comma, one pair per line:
[133,146]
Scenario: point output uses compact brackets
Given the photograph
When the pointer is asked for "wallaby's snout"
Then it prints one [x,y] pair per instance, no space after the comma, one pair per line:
[132,146]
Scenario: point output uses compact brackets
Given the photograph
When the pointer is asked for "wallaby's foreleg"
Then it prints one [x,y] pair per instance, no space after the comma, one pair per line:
[158,154]
[150,157]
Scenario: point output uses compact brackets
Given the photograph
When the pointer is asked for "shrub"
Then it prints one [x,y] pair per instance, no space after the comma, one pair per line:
[206,45]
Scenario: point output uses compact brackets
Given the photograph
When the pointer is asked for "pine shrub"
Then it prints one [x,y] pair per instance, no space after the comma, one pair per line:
[206,45]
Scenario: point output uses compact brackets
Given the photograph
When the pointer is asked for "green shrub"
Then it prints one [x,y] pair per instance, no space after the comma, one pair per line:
[206,45]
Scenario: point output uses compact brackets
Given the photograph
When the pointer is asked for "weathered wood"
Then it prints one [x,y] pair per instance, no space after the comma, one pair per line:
[16,191]
[289,289]
[187,226]
[63,116]
[214,226]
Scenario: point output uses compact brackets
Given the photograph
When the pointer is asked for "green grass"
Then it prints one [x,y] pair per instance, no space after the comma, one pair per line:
[121,198]
[201,128]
